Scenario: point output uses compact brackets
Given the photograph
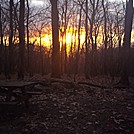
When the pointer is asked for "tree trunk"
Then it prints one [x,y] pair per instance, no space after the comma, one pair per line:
[127,42]
[10,66]
[21,68]
[105,25]
[1,41]
[55,38]
[5,59]
[105,39]
[41,56]
[28,51]
[79,41]
[65,31]
[86,44]
[62,53]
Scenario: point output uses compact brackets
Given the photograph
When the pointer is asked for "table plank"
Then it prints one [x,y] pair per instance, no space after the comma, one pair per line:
[23,96]
[16,84]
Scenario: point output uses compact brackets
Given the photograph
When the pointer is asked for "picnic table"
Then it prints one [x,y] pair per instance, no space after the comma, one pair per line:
[17,92]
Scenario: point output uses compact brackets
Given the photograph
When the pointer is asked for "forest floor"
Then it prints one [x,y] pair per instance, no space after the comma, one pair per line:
[64,108]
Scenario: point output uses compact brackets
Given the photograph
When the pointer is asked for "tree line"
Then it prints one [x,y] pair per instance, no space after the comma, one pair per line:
[107,49]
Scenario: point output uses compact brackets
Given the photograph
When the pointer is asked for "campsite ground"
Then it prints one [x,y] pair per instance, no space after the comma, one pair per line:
[66,108]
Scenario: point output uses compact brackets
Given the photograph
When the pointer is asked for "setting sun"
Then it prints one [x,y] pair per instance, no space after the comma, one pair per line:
[71,38]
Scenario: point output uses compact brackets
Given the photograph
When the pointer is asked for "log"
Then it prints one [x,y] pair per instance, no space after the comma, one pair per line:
[91,84]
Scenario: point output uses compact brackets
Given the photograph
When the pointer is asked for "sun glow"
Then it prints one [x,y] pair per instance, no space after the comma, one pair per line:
[70,39]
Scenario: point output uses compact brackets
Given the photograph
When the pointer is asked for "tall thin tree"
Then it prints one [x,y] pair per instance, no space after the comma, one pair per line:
[105,36]
[79,34]
[1,39]
[127,42]
[55,38]
[21,66]
[86,43]
[10,67]
[27,30]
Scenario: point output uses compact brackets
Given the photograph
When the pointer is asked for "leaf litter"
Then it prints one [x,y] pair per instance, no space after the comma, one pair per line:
[81,109]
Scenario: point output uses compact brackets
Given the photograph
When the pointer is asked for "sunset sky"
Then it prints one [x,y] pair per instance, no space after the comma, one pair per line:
[46,39]
[40,2]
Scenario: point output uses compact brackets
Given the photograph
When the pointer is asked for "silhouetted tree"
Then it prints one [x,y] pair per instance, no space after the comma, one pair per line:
[119,20]
[79,33]
[10,67]
[1,40]
[27,30]
[21,67]
[80,5]
[95,20]
[104,5]
[55,37]
[86,43]
[64,8]
[127,42]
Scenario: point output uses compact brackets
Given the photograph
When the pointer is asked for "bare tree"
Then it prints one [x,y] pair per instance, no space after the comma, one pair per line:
[21,69]
[27,30]
[95,19]
[86,43]
[56,72]
[1,39]
[66,10]
[37,20]
[127,42]
[39,28]
[104,5]
[80,5]
[10,67]
[119,20]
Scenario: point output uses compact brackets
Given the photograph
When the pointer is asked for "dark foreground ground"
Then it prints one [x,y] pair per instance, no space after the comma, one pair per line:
[67,109]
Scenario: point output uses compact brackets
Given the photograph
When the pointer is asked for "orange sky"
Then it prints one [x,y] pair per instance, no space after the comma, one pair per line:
[47,38]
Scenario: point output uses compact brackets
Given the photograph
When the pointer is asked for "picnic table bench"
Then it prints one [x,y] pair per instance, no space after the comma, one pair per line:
[17,92]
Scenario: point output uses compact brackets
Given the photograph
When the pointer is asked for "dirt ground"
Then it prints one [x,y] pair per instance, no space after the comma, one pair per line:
[77,109]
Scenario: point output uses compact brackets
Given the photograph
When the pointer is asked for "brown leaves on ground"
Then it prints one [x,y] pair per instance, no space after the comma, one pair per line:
[77,109]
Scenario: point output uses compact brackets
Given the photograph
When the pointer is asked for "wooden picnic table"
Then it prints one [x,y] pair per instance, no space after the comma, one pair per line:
[21,91]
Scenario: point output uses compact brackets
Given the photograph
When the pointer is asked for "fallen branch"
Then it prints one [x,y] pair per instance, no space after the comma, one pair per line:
[91,84]
[52,80]
[120,85]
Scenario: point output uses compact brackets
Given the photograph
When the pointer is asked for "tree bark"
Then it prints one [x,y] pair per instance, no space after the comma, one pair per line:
[127,42]
[1,41]
[27,30]
[55,38]
[105,25]
[105,39]
[79,41]
[86,44]
[21,68]
[10,64]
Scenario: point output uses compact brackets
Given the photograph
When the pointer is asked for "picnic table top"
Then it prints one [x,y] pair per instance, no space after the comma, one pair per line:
[15,84]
